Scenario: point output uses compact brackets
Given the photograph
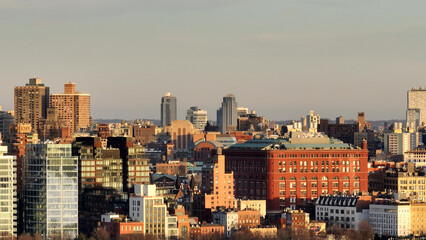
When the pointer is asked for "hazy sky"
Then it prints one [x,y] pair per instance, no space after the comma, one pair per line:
[278,57]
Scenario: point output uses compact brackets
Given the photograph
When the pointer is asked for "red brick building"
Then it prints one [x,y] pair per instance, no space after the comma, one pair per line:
[295,171]
[119,226]
[248,219]
[172,168]
[199,231]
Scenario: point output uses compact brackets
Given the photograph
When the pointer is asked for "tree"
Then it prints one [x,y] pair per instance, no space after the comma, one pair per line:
[365,230]
[25,236]
[100,234]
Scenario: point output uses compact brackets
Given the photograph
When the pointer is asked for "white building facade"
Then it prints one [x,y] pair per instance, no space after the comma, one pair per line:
[8,195]
[392,219]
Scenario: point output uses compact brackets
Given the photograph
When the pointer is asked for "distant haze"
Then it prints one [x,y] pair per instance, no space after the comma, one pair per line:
[281,58]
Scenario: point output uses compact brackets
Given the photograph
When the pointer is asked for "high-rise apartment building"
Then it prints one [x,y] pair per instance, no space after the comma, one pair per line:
[50,179]
[416,108]
[73,107]
[197,116]
[8,195]
[168,109]
[31,102]
[227,114]
[222,194]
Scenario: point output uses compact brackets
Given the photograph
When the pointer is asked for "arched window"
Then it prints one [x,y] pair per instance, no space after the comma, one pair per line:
[303,179]
[356,178]
[282,178]
[346,178]
[335,178]
[293,179]
[314,178]
[324,178]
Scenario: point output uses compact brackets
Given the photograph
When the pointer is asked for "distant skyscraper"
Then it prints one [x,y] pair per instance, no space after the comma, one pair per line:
[416,108]
[227,114]
[50,179]
[168,109]
[242,111]
[73,107]
[5,121]
[8,199]
[313,120]
[197,116]
[31,102]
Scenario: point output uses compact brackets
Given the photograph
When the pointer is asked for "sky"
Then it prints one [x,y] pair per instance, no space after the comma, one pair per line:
[281,58]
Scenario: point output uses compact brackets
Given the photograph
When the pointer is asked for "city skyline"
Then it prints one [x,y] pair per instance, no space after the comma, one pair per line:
[330,56]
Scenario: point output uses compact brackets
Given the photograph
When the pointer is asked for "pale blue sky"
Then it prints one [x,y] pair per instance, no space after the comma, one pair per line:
[278,57]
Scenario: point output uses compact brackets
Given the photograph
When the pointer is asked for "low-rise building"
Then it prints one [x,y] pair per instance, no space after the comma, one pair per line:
[119,226]
[390,218]
[295,219]
[259,205]
[198,231]
[347,211]
[265,232]
[227,218]
[248,219]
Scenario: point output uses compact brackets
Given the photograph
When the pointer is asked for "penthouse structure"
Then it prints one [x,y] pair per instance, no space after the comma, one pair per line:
[297,170]
[31,102]
[73,107]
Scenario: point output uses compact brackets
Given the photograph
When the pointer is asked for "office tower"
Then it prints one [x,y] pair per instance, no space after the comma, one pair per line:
[5,121]
[362,124]
[168,109]
[31,102]
[182,135]
[197,116]
[8,195]
[227,114]
[50,191]
[416,108]
[73,107]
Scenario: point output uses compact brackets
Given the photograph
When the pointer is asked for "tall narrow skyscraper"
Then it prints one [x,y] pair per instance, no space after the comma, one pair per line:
[31,102]
[168,109]
[73,107]
[227,114]
[416,108]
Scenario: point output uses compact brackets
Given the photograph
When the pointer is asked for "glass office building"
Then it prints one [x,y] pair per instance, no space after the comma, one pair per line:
[50,183]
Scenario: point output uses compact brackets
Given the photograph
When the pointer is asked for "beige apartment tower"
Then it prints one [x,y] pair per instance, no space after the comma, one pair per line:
[73,107]
[31,102]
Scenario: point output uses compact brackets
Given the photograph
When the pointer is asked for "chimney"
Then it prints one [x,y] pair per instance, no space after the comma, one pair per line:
[364,144]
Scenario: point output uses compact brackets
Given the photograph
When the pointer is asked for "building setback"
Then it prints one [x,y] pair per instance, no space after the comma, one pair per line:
[168,109]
